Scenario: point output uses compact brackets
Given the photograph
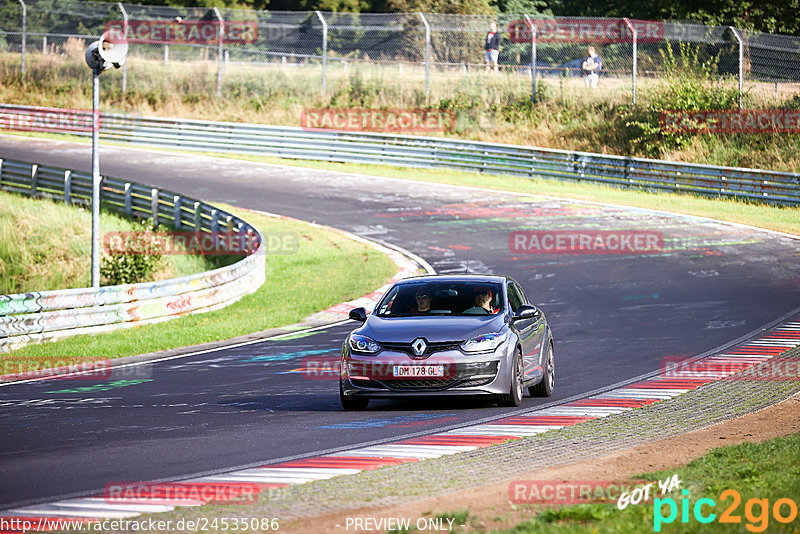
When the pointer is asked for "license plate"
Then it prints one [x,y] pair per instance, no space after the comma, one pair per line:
[418,371]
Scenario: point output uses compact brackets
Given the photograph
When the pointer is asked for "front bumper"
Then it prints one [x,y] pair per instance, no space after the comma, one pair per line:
[372,376]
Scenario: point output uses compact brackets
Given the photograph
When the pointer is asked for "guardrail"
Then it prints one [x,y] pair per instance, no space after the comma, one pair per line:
[43,315]
[420,152]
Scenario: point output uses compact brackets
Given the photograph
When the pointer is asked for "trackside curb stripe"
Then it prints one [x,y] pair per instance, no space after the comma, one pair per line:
[653,390]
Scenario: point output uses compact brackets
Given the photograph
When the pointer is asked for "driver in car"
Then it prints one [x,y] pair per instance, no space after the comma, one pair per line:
[423,302]
[483,301]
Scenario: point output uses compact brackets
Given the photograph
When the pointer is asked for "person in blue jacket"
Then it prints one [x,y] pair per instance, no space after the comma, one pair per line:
[492,47]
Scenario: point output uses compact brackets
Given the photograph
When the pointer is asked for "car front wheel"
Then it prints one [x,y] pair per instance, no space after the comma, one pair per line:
[350,403]
[514,396]
[545,387]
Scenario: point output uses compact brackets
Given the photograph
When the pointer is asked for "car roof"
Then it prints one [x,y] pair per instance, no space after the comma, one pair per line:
[455,278]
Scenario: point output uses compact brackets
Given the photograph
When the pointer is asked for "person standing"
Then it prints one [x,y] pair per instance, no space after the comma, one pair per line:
[591,68]
[492,47]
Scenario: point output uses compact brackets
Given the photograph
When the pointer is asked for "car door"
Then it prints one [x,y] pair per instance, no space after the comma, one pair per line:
[528,330]
[537,332]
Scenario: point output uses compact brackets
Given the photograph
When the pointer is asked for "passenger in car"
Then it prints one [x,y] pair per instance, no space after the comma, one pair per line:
[483,301]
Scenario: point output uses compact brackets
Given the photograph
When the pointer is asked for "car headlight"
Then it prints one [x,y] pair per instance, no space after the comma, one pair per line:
[363,344]
[484,343]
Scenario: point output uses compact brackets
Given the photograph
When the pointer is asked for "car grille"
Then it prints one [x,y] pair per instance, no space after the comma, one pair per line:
[466,375]
[432,347]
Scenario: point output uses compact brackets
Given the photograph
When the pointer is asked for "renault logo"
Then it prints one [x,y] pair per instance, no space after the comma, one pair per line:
[418,346]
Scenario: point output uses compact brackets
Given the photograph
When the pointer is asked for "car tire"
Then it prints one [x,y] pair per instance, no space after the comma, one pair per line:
[545,387]
[350,403]
[514,396]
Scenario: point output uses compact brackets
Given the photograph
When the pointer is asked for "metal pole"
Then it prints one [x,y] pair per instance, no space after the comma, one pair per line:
[533,57]
[219,52]
[635,55]
[741,63]
[96,177]
[125,33]
[427,56]
[24,31]
[324,53]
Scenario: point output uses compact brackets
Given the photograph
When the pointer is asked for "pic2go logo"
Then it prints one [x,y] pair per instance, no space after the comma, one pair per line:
[756,511]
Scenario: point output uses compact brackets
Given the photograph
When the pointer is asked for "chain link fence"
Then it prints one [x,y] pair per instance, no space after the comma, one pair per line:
[414,49]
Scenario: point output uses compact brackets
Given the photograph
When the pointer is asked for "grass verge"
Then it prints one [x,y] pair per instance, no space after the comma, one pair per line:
[485,107]
[56,250]
[764,472]
[326,268]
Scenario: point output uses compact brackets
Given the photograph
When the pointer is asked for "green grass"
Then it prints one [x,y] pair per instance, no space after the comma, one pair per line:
[769,470]
[326,268]
[56,250]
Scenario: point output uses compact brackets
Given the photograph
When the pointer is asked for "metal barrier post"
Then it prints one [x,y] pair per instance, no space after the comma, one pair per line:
[24,31]
[198,219]
[324,53]
[128,199]
[125,33]
[635,54]
[176,212]
[741,63]
[219,51]
[34,179]
[427,55]
[96,177]
[67,187]
[533,57]
[154,205]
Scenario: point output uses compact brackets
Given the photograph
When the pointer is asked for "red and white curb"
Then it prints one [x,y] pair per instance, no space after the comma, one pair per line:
[645,392]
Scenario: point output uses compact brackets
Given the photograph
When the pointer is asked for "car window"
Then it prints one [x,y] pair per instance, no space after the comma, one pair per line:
[522,294]
[385,305]
[441,298]
[514,298]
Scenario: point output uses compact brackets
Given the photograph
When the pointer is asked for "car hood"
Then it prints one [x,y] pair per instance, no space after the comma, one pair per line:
[432,328]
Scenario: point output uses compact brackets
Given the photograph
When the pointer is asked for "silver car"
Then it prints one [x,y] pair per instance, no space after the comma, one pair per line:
[448,335]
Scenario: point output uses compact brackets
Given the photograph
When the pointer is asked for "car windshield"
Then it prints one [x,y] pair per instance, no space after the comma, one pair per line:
[441,298]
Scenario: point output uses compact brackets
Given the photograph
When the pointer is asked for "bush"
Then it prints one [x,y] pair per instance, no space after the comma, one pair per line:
[692,85]
[136,258]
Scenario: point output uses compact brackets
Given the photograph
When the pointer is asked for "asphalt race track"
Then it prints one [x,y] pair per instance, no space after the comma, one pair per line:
[614,316]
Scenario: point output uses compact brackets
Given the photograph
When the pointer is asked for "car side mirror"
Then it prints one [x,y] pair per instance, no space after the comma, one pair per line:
[526,311]
[358,314]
